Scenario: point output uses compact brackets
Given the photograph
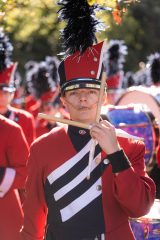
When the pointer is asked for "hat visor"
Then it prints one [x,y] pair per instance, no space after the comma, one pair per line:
[80,83]
[7,89]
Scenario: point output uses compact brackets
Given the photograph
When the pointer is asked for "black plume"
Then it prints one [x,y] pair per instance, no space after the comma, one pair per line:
[53,63]
[6,49]
[154,65]
[39,80]
[116,51]
[81,25]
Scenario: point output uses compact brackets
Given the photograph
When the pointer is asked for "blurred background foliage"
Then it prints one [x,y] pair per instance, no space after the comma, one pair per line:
[33,28]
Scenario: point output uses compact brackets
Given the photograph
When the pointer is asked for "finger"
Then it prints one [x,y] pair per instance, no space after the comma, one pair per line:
[108,126]
[97,130]
[106,123]
[100,125]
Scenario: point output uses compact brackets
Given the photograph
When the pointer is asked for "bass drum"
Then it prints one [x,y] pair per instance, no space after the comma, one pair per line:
[148,96]
[113,95]
[148,226]
[136,121]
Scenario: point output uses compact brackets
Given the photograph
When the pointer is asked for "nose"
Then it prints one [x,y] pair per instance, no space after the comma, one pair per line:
[83,96]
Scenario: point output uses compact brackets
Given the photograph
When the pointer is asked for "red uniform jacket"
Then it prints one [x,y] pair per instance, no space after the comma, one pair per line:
[26,121]
[13,158]
[42,127]
[130,194]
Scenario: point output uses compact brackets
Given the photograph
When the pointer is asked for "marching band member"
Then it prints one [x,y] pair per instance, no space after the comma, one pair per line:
[117,50]
[13,172]
[43,85]
[61,204]
[153,69]
[48,106]
[7,90]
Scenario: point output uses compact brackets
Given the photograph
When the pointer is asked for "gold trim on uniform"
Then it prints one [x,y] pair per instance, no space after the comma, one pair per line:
[85,85]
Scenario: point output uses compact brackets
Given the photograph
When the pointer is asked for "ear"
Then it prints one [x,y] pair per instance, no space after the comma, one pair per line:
[62,98]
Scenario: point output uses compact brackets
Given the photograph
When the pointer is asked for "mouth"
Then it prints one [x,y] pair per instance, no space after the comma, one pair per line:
[83,108]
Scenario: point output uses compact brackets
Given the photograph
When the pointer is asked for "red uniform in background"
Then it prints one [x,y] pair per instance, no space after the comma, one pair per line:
[25,120]
[13,158]
[43,88]
[22,117]
[116,58]
[32,105]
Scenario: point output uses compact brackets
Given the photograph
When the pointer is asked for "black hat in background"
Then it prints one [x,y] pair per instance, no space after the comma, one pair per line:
[7,67]
[40,82]
[153,65]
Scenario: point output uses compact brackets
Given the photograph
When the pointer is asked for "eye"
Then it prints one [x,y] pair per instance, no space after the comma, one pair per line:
[72,93]
[92,91]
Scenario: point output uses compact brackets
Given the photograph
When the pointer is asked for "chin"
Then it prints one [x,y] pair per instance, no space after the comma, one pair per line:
[85,120]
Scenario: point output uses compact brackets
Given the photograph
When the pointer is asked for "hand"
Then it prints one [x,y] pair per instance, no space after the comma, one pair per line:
[104,133]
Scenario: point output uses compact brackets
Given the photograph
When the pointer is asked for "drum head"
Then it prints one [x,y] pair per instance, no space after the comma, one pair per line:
[113,95]
[133,96]
[154,213]
[135,121]
[148,226]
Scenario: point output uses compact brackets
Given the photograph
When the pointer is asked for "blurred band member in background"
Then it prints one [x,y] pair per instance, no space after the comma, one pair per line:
[7,90]
[13,172]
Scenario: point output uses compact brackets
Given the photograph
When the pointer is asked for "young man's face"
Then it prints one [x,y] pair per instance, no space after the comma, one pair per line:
[81,104]
[5,98]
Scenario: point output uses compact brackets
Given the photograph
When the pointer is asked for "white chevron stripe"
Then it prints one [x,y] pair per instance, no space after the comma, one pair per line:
[77,180]
[68,164]
[81,202]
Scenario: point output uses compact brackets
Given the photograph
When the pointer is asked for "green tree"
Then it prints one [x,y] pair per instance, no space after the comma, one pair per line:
[140,31]
[33,28]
